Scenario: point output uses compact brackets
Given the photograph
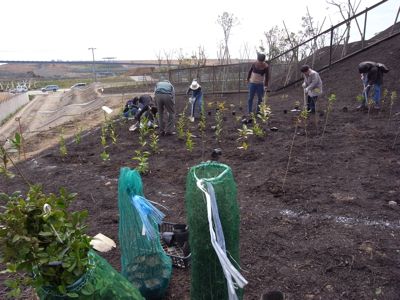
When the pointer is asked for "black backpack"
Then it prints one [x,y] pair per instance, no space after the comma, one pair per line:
[382,67]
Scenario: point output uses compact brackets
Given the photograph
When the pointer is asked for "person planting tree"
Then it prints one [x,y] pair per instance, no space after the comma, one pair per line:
[372,76]
[312,87]
[196,99]
[165,99]
[141,106]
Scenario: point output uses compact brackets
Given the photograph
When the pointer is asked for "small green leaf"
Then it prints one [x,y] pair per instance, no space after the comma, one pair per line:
[16,238]
[72,295]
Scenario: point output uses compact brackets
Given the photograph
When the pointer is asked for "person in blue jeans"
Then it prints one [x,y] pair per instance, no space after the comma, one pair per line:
[372,77]
[312,87]
[197,94]
[257,79]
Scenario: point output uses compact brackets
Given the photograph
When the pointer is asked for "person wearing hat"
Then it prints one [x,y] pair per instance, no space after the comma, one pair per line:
[164,94]
[257,79]
[196,98]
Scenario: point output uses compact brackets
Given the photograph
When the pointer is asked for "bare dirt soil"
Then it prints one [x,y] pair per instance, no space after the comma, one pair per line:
[331,233]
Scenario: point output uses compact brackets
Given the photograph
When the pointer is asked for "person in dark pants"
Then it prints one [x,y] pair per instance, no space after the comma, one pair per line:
[372,77]
[312,87]
[197,97]
[165,100]
[257,79]
[138,106]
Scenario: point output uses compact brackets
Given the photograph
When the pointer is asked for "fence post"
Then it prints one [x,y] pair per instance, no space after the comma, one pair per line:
[330,48]
[239,77]
[213,79]
[365,27]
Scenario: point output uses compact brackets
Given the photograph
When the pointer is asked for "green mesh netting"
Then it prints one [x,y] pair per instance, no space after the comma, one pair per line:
[101,282]
[207,278]
[143,261]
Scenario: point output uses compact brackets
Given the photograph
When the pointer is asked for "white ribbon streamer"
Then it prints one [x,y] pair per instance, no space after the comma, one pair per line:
[232,275]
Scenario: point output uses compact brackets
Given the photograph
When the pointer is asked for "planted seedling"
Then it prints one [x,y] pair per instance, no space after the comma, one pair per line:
[202,128]
[103,137]
[104,155]
[42,242]
[258,131]
[264,113]
[370,105]
[144,131]
[17,143]
[244,133]
[21,138]
[331,101]
[112,135]
[182,123]
[303,118]
[385,94]
[78,136]
[189,141]
[154,139]
[219,119]
[296,126]
[4,168]
[63,146]
[393,97]
[142,157]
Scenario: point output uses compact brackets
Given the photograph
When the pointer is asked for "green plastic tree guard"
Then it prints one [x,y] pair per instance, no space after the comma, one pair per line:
[207,277]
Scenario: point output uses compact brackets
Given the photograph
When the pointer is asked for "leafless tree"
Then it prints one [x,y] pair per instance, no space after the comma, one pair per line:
[199,59]
[227,21]
[183,60]
[347,9]
[169,54]
[244,52]
[159,58]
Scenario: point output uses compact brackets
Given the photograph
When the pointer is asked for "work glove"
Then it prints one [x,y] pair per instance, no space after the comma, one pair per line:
[304,85]
[306,91]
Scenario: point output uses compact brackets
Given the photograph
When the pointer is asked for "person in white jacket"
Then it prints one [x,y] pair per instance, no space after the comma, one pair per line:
[312,86]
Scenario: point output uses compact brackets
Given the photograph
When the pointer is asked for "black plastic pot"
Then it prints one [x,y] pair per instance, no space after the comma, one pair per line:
[181,233]
[274,295]
[216,152]
[233,113]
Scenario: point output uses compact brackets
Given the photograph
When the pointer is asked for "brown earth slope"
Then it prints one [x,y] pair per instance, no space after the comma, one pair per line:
[331,235]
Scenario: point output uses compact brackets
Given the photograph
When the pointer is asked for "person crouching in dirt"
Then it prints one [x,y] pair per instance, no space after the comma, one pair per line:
[312,87]
[165,99]
[371,76]
[141,106]
[257,80]
[196,99]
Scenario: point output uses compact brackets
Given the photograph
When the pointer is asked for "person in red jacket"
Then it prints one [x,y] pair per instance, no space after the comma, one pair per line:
[257,79]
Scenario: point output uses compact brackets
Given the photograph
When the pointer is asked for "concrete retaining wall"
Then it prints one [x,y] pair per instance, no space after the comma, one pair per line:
[11,105]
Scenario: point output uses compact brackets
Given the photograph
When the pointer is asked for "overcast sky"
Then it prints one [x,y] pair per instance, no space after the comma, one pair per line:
[139,29]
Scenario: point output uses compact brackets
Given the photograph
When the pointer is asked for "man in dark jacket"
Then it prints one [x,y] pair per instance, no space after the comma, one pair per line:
[372,76]
[139,106]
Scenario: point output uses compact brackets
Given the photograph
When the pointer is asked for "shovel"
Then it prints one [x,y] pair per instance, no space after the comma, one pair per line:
[192,100]
[305,100]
